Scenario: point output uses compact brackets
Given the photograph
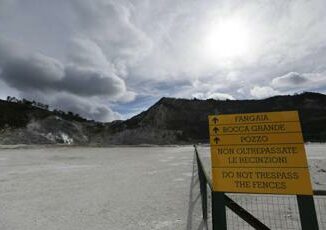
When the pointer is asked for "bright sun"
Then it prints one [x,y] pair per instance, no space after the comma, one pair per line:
[227,39]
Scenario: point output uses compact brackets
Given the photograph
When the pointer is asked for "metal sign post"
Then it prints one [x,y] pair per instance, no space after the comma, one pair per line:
[308,216]
[218,211]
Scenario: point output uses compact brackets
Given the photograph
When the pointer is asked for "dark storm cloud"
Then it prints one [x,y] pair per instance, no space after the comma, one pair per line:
[90,82]
[87,74]
[76,87]
[46,74]
[37,72]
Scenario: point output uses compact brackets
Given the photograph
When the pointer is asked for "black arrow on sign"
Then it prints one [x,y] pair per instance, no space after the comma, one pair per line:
[216,140]
[216,130]
[215,120]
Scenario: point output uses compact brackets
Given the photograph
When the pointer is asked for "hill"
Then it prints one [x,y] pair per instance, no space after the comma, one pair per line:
[169,121]
[173,120]
[26,122]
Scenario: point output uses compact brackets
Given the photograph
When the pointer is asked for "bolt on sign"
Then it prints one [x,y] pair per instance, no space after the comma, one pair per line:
[259,153]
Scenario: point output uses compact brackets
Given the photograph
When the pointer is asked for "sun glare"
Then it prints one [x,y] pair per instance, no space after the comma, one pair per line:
[227,39]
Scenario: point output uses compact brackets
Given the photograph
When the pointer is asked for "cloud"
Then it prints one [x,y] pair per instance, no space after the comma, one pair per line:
[43,73]
[290,83]
[5,5]
[263,92]
[216,96]
[221,96]
[87,53]
[93,109]
[293,82]
[110,25]
[34,72]
[6,90]
[112,51]
[91,82]
[88,76]
[9,50]
[89,109]
[289,80]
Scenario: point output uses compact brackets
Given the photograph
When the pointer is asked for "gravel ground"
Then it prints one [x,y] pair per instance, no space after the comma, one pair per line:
[98,188]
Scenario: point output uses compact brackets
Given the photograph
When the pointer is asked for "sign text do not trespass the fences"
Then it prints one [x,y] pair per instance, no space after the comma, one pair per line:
[259,153]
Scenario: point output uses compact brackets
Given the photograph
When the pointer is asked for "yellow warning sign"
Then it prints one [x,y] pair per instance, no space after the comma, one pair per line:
[278,127]
[253,139]
[248,118]
[285,155]
[262,180]
[267,147]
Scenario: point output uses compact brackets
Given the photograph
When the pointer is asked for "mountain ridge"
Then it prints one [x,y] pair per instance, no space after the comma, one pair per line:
[168,121]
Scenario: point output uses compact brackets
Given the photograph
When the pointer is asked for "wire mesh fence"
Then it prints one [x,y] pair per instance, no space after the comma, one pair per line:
[320,203]
[275,211]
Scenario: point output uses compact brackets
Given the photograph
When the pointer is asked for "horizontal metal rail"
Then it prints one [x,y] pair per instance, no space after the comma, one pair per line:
[201,166]
[319,192]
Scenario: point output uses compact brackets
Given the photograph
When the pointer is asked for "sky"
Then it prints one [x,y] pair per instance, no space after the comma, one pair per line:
[112,59]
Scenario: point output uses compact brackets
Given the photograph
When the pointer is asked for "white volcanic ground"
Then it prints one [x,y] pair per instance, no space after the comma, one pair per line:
[72,188]
[136,188]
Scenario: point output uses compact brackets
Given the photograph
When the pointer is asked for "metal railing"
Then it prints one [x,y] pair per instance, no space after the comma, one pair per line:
[254,211]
